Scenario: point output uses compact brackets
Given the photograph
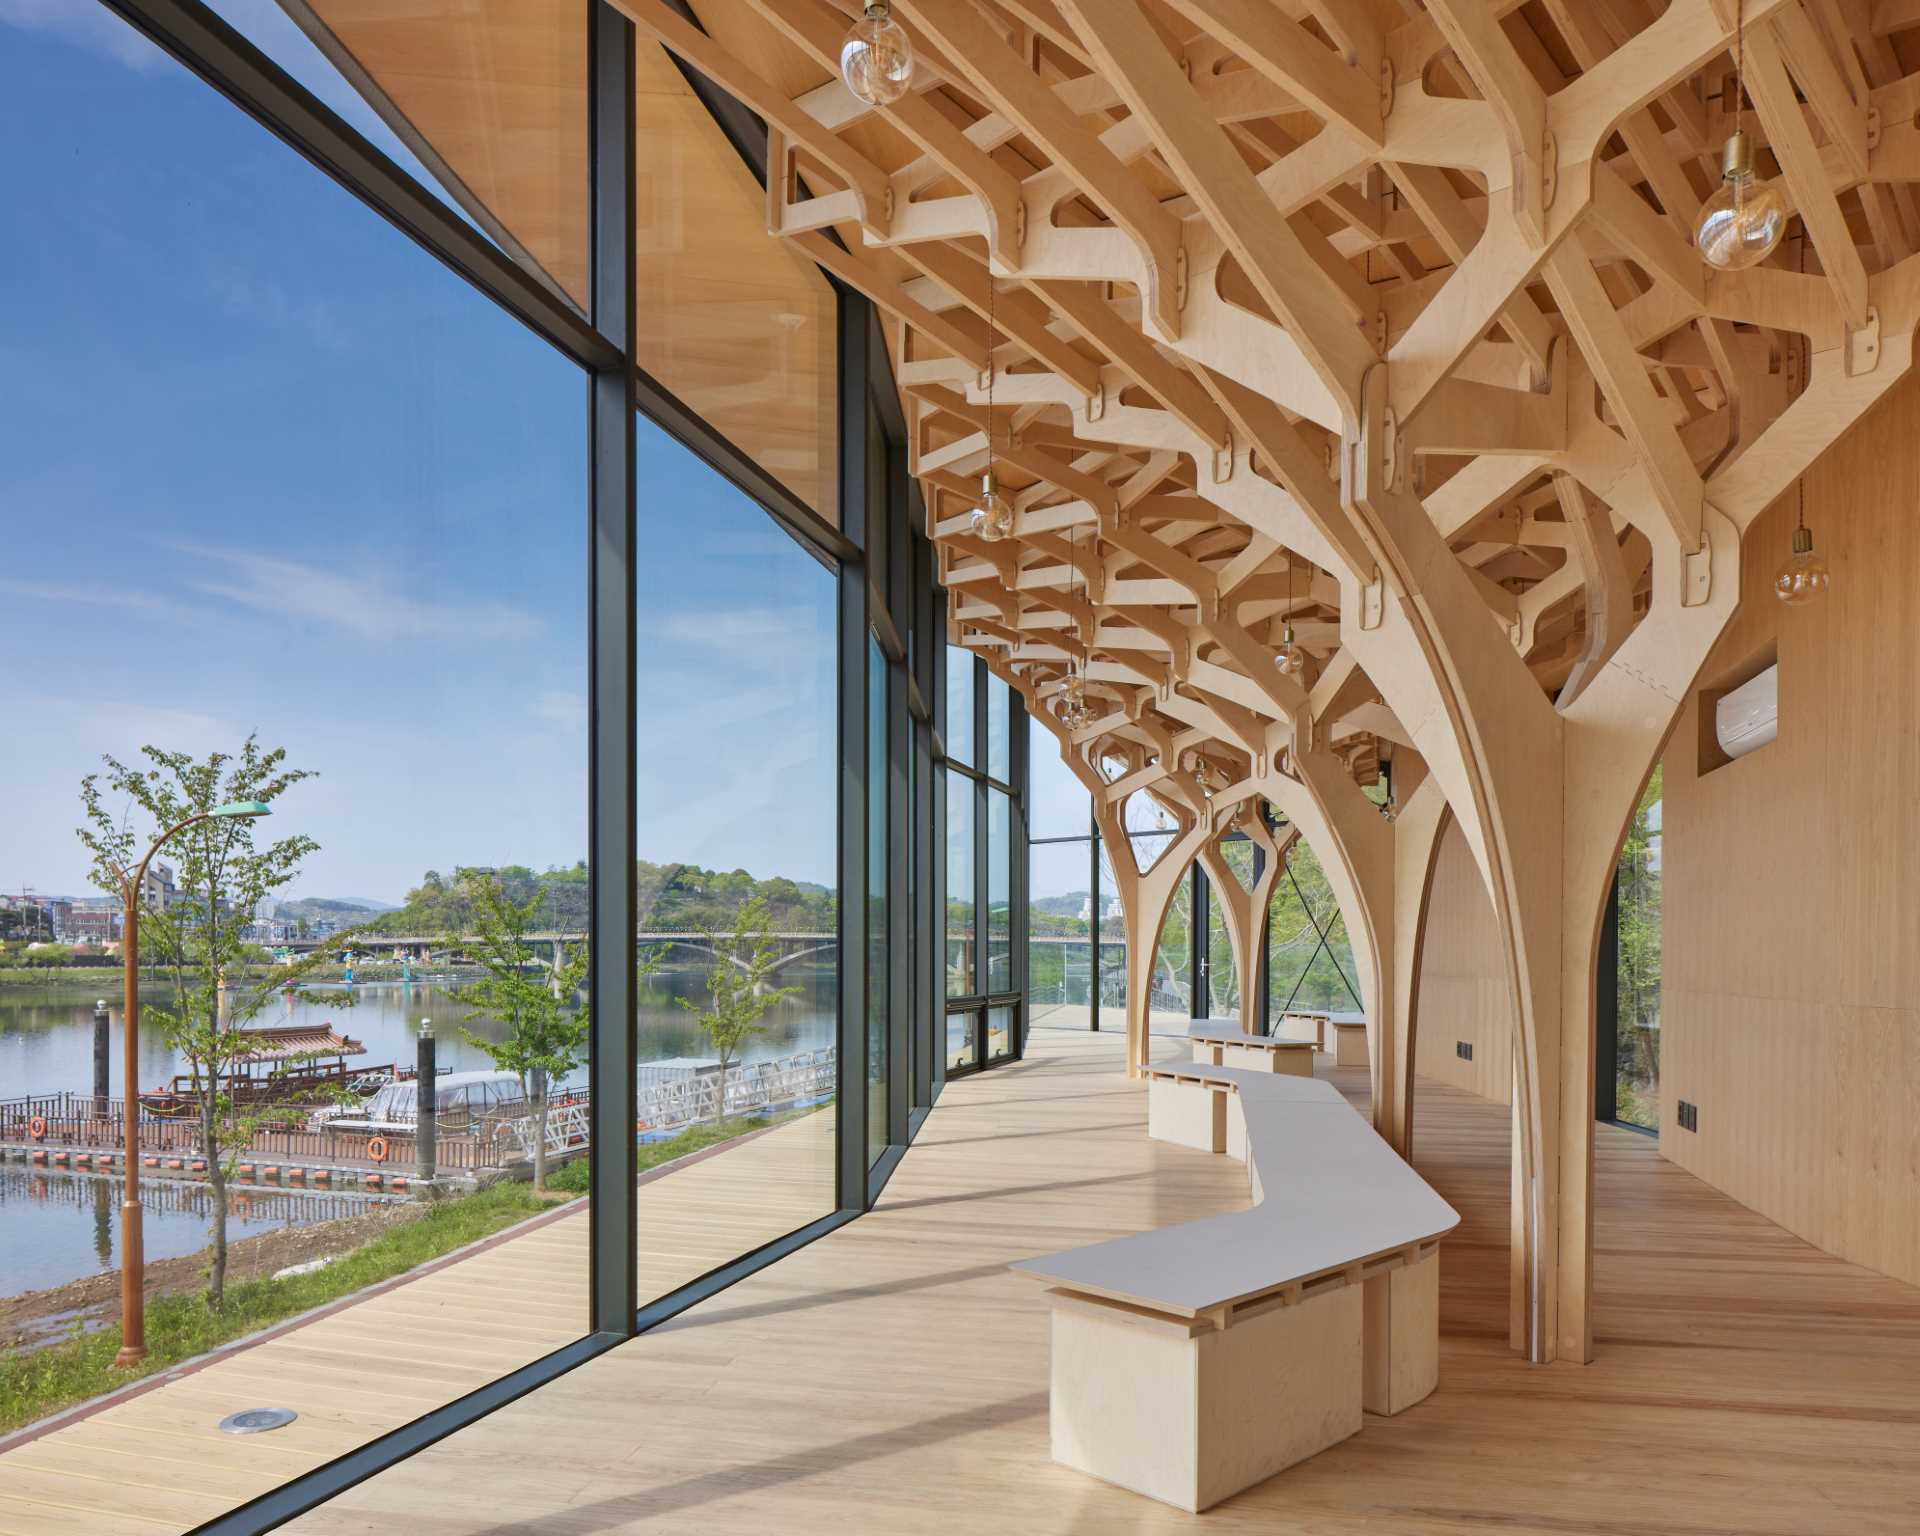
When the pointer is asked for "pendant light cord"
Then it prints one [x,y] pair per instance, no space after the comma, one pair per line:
[1739,61]
[992,341]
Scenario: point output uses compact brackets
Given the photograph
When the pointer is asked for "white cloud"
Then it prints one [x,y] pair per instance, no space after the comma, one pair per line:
[85,24]
[89,599]
[359,602]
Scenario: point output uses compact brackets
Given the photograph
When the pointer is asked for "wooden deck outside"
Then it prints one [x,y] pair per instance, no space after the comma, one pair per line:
[893,1376]
[156,1463]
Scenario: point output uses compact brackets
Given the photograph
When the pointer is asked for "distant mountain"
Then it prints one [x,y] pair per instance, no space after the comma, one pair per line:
[337,908]
[1070,905]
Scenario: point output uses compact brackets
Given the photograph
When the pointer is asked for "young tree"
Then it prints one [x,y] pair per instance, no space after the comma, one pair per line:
[223,876]
[546,1036]
[737,989]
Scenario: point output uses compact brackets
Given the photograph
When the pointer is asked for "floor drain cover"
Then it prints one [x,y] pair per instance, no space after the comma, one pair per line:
[254,1421]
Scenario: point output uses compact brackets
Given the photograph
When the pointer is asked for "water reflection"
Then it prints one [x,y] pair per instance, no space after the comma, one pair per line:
[60,1226]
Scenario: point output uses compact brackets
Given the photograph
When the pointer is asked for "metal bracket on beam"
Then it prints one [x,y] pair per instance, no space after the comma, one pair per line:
[1180,278]
[1097,403]
[1373,603]
[1863,345]
[1390,448]
[1549,168]
[1223,461]
[1696,575]
[1386,85]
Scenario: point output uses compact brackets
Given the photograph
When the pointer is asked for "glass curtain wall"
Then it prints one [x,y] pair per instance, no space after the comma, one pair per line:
[1635,1068]
[1076,931]
[302,518]
[986,741]
[636,869]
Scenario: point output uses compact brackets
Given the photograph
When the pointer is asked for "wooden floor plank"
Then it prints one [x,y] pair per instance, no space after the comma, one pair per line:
[893,1375]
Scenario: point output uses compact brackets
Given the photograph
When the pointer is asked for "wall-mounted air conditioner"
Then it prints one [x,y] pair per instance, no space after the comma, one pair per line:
[1748,717]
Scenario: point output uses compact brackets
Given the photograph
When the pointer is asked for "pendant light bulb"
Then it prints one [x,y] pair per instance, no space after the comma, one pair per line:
[876,57]
[1291,658]
[1803,576]
[1074,711]
[992,519]
[1743,221]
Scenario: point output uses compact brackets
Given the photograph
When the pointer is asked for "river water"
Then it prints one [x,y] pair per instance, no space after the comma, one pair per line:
[56,1227]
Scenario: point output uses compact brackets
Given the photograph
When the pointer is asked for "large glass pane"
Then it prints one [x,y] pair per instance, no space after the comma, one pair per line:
[737,323]
[483,101]
[877,848]
[999,892]
[999,732]
[1113,947]
[963,1040]
[277,481]
[1224,981]
[1058,804]
[737,876]
[999,1034]
[959,730]
[1170,1004]
[960,901]
[1309,957]
[1637,1067]
[1059,935]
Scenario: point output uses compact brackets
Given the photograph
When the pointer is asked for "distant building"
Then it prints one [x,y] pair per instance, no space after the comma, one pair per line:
[93,922]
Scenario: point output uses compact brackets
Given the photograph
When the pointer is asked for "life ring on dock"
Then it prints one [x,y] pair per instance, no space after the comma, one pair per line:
[377,1149]
[37,1127]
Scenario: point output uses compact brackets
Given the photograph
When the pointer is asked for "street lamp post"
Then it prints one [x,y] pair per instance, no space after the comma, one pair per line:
[133,1264]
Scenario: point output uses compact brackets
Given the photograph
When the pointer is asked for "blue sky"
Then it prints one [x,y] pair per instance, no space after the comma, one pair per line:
[267,466]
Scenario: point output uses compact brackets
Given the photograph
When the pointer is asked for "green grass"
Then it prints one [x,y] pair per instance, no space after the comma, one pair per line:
[33,1385]
[696,1138]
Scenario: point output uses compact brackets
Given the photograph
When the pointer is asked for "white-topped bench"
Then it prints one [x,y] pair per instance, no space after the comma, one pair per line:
[1222,1043]
[1196,1360]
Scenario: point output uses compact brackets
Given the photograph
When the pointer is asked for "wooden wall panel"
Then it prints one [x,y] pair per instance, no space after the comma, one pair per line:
[1463,989]
[1790,1012]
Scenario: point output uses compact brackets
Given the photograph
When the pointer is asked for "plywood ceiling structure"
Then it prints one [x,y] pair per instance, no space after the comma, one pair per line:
[1382,319]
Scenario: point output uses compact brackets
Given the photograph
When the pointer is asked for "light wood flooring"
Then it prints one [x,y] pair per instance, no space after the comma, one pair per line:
[156,1463]
[893,1376]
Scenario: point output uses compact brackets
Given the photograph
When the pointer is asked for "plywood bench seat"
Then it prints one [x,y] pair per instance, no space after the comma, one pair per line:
[1222,1043]
[1198,1359]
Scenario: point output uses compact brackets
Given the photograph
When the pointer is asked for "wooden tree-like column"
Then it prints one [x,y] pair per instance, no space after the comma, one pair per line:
[1380,322]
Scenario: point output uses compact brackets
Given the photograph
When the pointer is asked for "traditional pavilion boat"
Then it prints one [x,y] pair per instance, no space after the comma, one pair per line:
[283,1064]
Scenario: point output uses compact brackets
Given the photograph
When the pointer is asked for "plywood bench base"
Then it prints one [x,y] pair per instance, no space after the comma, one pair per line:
[1190,1414]
[1187,1113]
[1349,1045]
[1402,1336]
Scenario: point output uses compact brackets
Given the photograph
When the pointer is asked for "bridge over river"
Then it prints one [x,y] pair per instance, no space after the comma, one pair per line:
[796,944]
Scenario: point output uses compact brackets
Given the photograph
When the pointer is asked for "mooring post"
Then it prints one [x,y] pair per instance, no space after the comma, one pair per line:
[100,1038]
[424,1128]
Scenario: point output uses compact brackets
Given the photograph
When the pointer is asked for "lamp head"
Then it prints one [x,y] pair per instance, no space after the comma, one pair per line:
[241,810]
